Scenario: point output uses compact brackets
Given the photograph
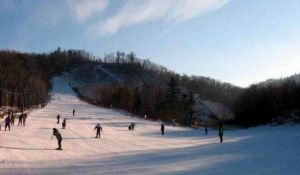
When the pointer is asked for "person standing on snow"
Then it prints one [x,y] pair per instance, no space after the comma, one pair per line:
[13,119]
[206,127]
[99,129]
[58,136]
[7,123]
[20,119]
[162,128]
[24,119]
[73,112]
[64,123]
[58,117]
[221,133]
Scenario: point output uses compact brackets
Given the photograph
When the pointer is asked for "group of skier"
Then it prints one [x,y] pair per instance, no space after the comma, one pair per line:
[99,129]
[64,123]
[10,121]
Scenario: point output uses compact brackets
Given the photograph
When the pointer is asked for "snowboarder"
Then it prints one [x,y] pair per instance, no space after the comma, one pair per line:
[162,128]
[73,112]
[7,123]
[221,132]
[20,120]
[131,126]
[58,137]
[58,117]
[24,119]
[64,123]
[99,129]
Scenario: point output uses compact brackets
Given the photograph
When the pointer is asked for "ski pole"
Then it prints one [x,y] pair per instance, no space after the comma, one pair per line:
[49,142]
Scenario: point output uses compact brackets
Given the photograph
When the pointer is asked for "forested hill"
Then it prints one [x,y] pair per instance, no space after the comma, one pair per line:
[269,101]
[25,78]
[142,88]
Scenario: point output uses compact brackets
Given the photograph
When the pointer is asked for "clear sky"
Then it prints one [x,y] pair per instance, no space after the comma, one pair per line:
[236,41]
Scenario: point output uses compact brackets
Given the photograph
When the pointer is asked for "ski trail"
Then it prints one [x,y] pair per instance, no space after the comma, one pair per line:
[142,151]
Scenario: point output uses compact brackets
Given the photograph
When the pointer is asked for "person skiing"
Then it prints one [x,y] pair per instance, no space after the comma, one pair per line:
[20,120]
[206,127]
[7,123]
[221,132]
[58,117]
[24,119]
[58,136]
[64,123]
[99,129]
[12,119]
[162,128]
[73,112]
[131,126]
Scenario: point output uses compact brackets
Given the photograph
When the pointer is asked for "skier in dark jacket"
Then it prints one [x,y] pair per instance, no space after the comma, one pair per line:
[162,128]
[13,119]
[7,123]
[58,137]
[131,126]
[24,119]
[73,112]
[64,123]
[20,120]
[206,127]
[58,117]
[221,133]
[99,129]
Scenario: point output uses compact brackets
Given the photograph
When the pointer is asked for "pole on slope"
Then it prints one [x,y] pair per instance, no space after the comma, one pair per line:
[46,146]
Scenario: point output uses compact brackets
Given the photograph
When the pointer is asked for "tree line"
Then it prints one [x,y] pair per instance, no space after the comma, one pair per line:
[25,78]
[275,101]
[153,90]
[25,81]
[156,101]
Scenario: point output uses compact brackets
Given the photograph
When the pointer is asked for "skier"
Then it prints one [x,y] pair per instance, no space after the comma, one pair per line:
[64,123]
[7,123]
[13,119]
[206,127]
[173,122]
[73,112]
[162,128]
[99,129]
[20,120]
[58,137]
[24,119]
[131,126]
[58,117]
[221,132]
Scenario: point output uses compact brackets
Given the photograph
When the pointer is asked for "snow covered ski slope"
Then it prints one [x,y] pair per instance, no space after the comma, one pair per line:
[29,150]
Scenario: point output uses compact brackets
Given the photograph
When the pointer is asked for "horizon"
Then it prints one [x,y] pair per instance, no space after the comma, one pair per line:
[237,42]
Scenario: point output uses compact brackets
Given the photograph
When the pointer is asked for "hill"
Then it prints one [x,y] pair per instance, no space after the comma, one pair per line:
[143,88]
[30,151]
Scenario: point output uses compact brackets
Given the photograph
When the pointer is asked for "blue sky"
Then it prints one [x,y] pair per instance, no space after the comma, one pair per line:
[236,41]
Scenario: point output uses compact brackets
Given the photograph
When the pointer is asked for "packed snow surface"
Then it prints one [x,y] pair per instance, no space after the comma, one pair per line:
[30,151]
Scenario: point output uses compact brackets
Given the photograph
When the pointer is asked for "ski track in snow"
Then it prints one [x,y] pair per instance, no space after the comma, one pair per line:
[28,150]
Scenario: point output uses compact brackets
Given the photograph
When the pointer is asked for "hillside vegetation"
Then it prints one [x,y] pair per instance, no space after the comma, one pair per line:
[145,89]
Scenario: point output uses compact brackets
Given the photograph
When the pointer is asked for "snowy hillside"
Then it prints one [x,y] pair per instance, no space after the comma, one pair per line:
[28,150]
